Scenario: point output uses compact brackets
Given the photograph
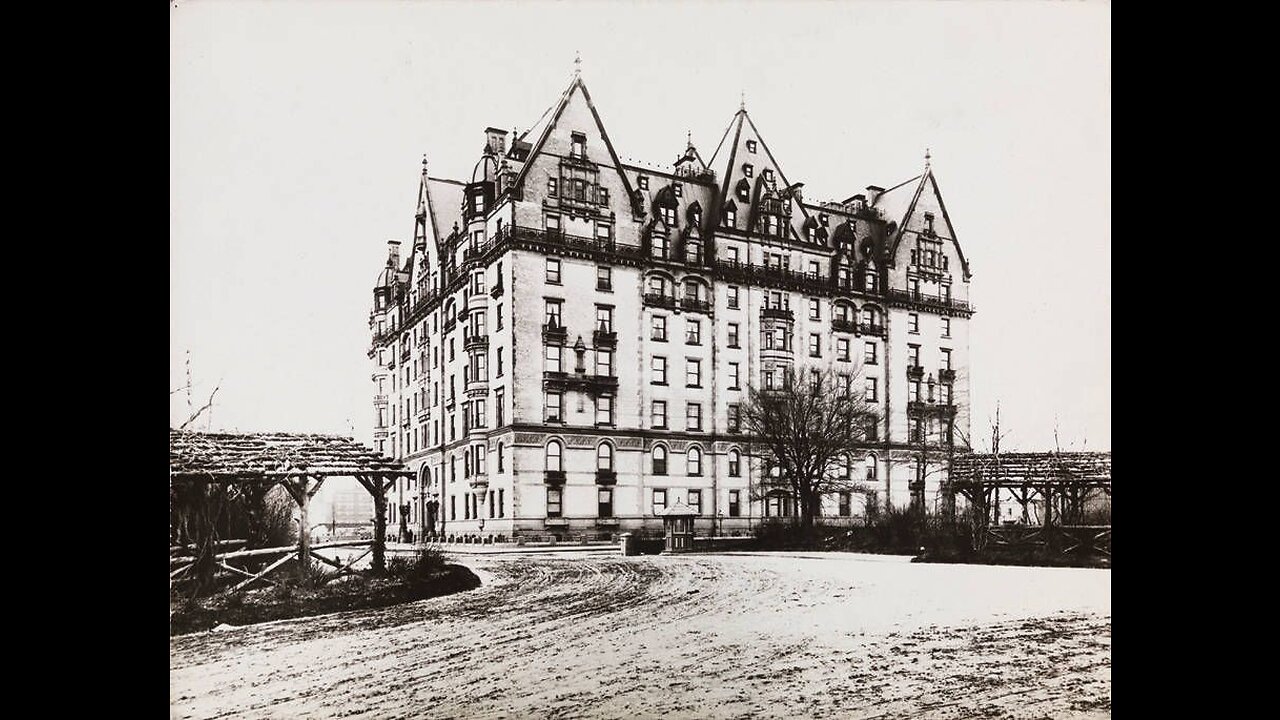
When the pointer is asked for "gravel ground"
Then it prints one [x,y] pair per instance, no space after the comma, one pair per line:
[705,636]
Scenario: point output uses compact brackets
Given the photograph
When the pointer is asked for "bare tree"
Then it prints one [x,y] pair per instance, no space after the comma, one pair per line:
[809,426]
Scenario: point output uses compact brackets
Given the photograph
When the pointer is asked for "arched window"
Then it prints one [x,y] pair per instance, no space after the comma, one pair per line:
[554,451]
[870,464]
[735,463]
[659,460]
[657,285]
[604,457]
[693,461]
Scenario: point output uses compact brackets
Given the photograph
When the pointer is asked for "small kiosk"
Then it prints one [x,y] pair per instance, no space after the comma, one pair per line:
[677,523]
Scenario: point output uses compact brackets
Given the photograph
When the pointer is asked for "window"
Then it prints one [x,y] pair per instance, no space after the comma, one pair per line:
[499,316]
[946,358]
[553,355]
[579,147]
[659,460]
[733,376]
[692,252]
[501,456]
[815,381]
[913,355]
[869,280]
[692,332]
[946,327]
[659,249]
[678,188]
[871,428]
[913,323]
[871,390]
[768,175]
[604,363]
[453,507]
[845,498]
[735,503]
[815,345]
[731,217]
[659,366]
[604,457]
[669,218]
[735,464]
[733,297]
[917,430]
[604,278]
[913,286]
[693,373]
[552,315]
[603,195]
[659,328]
[693,416]
[815,310]
[553,407]
[551,187]
[659,414]
[693,461]
[771,224]
[869,354]
[733,335]
[913,391]
[642,182]
[659,501]
[604,318]
[500,355]
[695,215]
[604,410]
[554,452]
[846,385]
[695,501]
[733,255]
[477,283]
[842,349]
[735,418]
[751,146]
[481,458]
[748,170]
[814,269]
[553,222]
[553,502]
[944,393]
[768,379]
[553,271]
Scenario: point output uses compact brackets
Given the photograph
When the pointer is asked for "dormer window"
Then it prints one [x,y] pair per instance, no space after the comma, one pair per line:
[928,222]
[552,187]
[669,216]
[642,182]
[822,218]
[751,146]
[579,147]
[731,217]
[678,189]
[743,190]
[771,224]
[768,175]
[747,169]
[604,195]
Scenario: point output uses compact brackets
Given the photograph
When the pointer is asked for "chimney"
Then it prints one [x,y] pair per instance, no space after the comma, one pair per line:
[873,193]
[496,139]
[859,202]
[393,254]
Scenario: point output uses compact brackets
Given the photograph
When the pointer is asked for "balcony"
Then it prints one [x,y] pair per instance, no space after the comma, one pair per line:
[496,292]
[592,384]
[843,325]
[379,399]
[874,329]
[448,326]
[772,276]
[947,375]
[479,482]
[476,342]
[915,372]
[477,387]
[424,414]
[769,313]
[695,305]
[554,333]
[606,477]
[558,238]
[554,477]
[659,300]
[380,433]
[945,302]
[605,338]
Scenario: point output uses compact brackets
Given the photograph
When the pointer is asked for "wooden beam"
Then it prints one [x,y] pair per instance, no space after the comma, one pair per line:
[259,576]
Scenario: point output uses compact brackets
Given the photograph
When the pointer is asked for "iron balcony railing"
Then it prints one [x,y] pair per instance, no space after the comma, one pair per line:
[841,325]
[769,313]
[927,299]
[659,300]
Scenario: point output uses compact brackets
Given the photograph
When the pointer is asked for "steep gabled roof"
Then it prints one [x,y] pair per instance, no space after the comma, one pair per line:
[894,203]
[742,121]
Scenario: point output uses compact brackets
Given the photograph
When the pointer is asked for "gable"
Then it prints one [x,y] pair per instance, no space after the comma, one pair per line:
[926,217]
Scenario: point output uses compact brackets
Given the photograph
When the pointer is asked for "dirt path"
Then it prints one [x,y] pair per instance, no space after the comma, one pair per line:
[696,636]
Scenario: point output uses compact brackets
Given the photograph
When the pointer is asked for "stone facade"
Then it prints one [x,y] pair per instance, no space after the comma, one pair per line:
[563,348]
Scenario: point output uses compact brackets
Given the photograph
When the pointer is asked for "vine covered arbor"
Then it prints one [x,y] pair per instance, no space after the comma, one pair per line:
[1060,496]
[208,469]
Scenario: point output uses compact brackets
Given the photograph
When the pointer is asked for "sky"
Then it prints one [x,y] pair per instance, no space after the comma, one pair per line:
[297,133]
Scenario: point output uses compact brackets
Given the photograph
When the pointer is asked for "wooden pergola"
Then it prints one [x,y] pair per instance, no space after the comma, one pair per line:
[1062,482]
[253,463]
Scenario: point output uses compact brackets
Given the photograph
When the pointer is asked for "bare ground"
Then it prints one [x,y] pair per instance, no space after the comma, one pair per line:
[718,636]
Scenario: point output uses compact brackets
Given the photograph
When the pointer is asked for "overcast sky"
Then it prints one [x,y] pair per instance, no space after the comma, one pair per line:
[297,132]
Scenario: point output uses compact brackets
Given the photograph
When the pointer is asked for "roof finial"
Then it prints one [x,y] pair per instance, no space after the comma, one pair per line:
[927,156]
[577,63]
[688,135]
[742,105]
[424,163]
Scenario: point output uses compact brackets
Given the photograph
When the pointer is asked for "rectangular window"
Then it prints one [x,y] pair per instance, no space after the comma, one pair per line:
[604,278]
[814,309]
[815,345]
[500,356]
[453,507]
[604,200]
[842,349]
[678,188]
[735,418]
[768,175]
[733,297]
[946,327]
[733,335]
[604,410]
[553,407]
[692,332]
[871,390]
[913,355]
[481,459]
[731,217]
[604,319]
[845,503]
[498,407]
[659,501]
[605,497]
[693,373]
[748,170]
[913,322]
[871,431]
[553,502]
[695,501]
[659,366]
[693,416]
[733,255]
[553,222]
[553,271]
[659,327]
[735,503]
[846,385]
[642,182]
[551,187]
[553,358]
[659,414]
[604,363]
[944,395]
[579,147]
[814,269]
[869,354]
[552,315]
[946,359]
[751,146]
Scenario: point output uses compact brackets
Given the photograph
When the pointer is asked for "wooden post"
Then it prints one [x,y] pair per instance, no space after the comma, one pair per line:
[379,491]
[304,528]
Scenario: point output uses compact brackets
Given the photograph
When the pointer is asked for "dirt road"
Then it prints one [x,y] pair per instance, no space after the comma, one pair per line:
[706,636]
